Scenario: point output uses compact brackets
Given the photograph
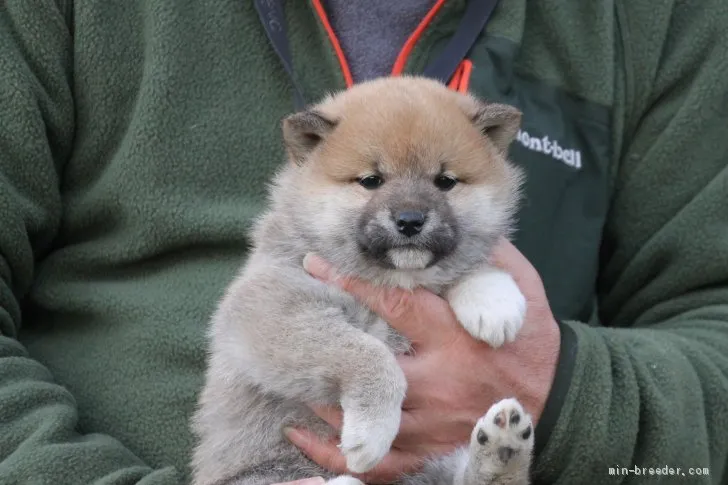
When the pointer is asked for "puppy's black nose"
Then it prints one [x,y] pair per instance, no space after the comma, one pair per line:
[410,223]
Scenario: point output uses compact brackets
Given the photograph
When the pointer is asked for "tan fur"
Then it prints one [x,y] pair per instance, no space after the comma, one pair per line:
[414,123]
[280,338]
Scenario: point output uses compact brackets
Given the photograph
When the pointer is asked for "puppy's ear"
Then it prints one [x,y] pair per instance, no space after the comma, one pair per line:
[304,131]
[499,122]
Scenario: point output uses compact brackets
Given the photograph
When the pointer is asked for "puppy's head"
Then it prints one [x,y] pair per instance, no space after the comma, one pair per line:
[401,180]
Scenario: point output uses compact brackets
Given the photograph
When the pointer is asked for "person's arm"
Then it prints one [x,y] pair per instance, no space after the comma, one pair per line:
[39,442]
[651,388]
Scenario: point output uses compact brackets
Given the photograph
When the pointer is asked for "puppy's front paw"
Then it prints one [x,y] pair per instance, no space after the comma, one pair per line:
[490,306]
[365,440]
[503,435]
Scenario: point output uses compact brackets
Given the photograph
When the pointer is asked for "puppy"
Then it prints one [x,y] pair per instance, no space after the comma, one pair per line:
[399,181]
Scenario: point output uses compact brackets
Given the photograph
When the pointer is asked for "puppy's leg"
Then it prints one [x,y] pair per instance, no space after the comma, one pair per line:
[501,447]
[372,388]
[296,345]
[489,305]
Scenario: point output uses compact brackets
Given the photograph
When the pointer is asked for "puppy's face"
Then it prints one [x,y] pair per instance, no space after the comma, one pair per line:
[402,176]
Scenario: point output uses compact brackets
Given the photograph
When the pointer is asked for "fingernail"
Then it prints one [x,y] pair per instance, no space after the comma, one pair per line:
[290,433]
[317,266]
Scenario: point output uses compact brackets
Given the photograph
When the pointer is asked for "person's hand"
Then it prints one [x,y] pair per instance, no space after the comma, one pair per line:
[452,378]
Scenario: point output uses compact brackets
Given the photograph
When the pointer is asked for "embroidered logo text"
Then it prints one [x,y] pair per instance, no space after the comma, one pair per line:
[569,156]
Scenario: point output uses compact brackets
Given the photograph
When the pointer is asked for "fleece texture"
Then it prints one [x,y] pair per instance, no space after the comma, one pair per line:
[136,140]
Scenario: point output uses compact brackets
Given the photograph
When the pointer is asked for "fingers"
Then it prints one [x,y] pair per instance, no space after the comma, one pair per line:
[390,301]
[328,456]
[419,315]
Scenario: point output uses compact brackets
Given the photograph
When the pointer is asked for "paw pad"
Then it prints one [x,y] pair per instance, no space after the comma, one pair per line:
[502,439]
[503,419]
[505,429]
[500,420]
[505,453]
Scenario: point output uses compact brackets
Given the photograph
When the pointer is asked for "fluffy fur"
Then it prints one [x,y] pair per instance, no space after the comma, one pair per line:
[399,181]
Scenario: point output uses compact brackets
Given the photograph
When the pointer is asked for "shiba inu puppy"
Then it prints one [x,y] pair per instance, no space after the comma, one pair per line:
[399,181]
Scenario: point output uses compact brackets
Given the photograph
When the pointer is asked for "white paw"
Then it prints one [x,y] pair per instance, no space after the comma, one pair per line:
[344,480]
[490,306]
[366,440]
[505,433]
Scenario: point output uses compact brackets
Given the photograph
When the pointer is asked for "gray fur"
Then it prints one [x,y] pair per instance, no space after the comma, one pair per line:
[280,338]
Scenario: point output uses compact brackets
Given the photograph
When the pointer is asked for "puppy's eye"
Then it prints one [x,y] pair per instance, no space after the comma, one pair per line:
[445,182]
[371,182]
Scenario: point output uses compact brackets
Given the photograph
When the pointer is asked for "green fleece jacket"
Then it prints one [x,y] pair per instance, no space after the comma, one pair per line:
[136,138]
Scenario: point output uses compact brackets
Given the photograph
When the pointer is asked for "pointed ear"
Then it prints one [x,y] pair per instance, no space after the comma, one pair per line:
[499,122]
[304,131]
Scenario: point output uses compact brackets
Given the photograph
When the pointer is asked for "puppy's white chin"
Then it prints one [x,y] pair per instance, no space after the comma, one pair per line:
[409,258]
